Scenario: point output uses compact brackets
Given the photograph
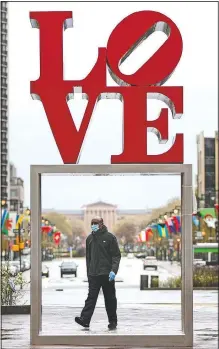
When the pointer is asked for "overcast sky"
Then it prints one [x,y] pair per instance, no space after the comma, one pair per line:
[30,137]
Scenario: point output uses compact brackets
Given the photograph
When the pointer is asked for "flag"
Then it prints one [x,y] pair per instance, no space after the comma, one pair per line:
[57,237]
[168,227]
[149,234]
[6,225]
[47,229]
[50,232]
[172,228]
[176,222]
[179,223]
[145,235]
[162,230]
[142,236]
[19,220]
[4,215]
[138,238]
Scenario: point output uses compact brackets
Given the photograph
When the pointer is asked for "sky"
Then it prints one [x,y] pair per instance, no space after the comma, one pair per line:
[30,138]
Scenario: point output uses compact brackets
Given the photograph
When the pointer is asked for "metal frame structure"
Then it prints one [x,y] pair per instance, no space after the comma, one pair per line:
[182,340]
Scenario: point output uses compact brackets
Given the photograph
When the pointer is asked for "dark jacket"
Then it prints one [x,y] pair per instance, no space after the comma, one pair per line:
[102,253]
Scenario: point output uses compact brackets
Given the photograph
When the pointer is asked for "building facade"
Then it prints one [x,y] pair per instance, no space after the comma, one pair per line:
[109,212]
[16,190]
[106,211]
[4,105]
[207,177]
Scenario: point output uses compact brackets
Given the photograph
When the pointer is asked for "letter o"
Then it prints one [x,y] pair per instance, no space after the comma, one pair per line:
[128,33]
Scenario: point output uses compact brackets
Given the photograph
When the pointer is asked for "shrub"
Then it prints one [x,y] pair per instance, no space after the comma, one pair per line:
[204,276]
[74,253]
[80,252]
[11,286]
[174,282]
[154,282]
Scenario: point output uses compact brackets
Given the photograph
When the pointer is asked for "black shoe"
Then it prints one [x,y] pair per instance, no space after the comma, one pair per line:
[80,321]
[112,326]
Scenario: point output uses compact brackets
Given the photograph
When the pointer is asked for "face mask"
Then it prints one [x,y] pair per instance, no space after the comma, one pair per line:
[94,227]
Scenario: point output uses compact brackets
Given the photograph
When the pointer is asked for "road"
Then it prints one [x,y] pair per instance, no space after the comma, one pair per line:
[75,289]
[128,275]
[71,291]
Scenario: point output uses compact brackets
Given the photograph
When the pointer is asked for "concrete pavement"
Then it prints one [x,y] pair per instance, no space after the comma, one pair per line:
[150,319]
[142,312]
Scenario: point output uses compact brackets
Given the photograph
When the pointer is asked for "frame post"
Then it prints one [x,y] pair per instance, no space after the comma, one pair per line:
[187,256]
[36,284]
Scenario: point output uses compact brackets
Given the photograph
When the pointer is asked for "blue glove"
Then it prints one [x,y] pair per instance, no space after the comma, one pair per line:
[112,276]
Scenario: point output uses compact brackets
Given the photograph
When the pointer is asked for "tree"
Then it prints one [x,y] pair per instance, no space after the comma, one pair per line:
[171,204]
[143,224]
[11,286]
[62,224]
[70,228]
[60,221]
[78,230]
[126,231]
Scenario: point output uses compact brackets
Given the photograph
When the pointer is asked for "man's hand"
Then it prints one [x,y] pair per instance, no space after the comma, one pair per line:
[112,276]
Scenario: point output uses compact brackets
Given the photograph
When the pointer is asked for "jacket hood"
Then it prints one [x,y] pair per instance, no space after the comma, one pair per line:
[103,229]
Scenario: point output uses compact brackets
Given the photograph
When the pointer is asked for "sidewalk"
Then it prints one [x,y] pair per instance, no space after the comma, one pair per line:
[149,319]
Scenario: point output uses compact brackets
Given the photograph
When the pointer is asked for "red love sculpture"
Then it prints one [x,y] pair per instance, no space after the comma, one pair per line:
[134,90]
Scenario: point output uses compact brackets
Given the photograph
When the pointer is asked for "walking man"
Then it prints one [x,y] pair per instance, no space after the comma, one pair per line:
[102,258]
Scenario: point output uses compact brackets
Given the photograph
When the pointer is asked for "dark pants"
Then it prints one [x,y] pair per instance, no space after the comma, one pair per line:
[109,292]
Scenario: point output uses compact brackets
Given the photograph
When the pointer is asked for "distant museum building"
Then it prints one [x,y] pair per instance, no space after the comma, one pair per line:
[110,214]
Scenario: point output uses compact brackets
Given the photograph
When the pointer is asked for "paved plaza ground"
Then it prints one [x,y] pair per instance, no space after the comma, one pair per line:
[149,319]
[139,312]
